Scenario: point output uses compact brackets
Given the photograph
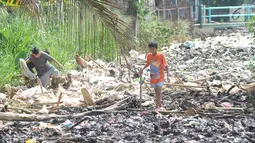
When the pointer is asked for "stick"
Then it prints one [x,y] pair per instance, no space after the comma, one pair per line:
[114,106]
[225,116]
[97,63]
[147,86]
[22,109]
[179,79]
[40,83]
[164,112]
[231,108]
[213,51]
[140,91]
[7,116]
[187,86]
[230,89]
[35,117]
[59,99]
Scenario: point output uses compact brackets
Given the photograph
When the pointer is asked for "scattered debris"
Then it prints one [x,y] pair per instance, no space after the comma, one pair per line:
[210,98]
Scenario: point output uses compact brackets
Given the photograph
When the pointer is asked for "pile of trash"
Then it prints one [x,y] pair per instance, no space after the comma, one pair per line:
[210,98]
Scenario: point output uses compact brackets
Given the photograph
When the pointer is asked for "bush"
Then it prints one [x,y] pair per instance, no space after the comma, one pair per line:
[164,32]
[252,64]
[18,33]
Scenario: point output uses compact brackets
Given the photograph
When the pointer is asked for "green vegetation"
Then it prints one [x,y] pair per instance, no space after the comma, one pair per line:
[252,63]
[64,34]
[71,27]
[251,28]
[164,32]
[18,34]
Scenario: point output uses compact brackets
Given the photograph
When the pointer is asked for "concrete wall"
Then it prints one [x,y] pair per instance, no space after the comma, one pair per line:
[204,31]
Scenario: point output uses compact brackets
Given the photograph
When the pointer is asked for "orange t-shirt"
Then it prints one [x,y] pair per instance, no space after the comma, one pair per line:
[157,65]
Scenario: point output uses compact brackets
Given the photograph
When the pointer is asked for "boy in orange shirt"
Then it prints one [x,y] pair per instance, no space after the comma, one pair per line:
[157,63]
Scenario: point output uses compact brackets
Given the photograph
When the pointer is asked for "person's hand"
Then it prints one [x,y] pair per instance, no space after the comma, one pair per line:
[140,72]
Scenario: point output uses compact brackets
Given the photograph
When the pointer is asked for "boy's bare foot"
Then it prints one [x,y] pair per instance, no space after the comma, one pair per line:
[157,110]
[162,109]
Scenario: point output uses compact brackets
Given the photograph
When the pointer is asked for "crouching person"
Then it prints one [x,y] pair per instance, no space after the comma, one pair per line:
[44,69]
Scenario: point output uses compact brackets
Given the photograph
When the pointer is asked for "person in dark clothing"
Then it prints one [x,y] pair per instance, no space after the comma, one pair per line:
[30,65]
[45,70]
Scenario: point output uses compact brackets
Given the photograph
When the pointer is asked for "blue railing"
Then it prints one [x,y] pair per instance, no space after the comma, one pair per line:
[208,10]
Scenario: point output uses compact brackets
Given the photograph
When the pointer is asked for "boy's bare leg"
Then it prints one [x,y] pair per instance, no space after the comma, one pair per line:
[158,96]
[156,105]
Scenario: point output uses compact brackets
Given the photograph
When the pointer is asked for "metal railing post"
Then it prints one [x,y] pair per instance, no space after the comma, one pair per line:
[209,14]
[200,10]
[249,13]
[178,15]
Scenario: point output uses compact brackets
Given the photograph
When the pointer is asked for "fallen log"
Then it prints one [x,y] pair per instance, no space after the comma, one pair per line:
[231,108]
[28,117]
[7,116]
[185,86]
[27,111]
[35,117]
[59,99]
[153,111]
[226,116]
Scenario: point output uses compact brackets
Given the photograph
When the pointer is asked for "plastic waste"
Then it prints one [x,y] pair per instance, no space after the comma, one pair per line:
[188,45]
[31,140]
[226,104]
[192,123]
[67,124]
[145,113]
[137,80]
[136,84]
[44,125]
[2,97]
[209,106]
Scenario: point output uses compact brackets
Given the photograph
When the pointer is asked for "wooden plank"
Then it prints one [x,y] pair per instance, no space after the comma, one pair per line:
[183,85]
[86,96]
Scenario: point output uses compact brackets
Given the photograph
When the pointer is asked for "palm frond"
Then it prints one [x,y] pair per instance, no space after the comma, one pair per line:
[100,9]
[121,30]
[31,5]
